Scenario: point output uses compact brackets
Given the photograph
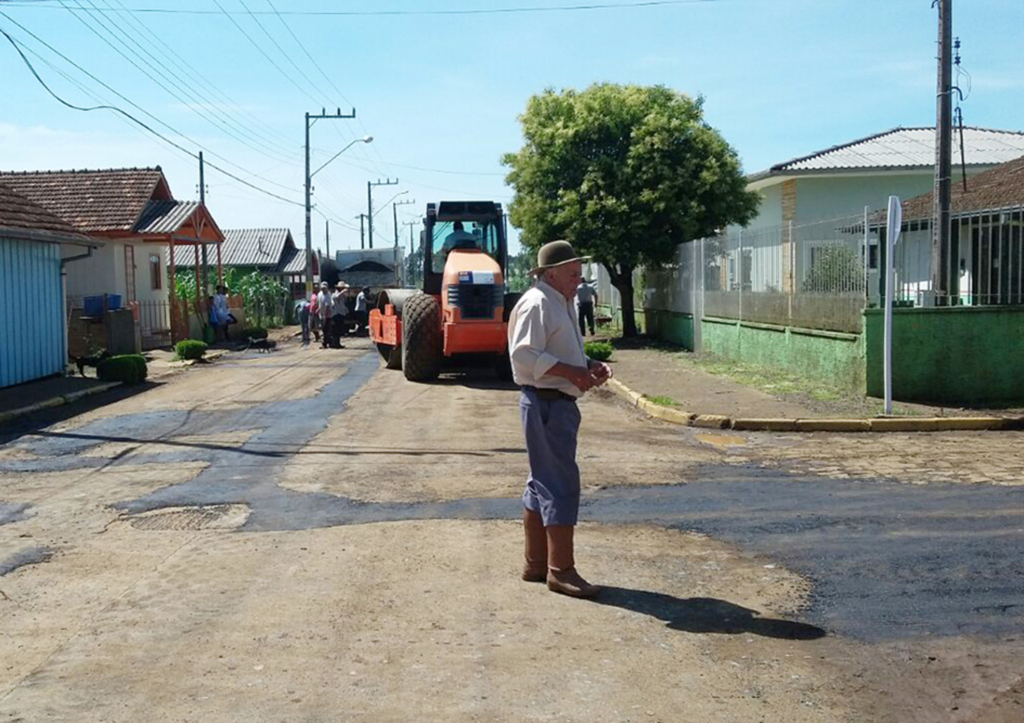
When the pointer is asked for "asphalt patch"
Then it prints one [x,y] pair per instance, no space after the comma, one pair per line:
[886,560]
[21,558]
[13,512]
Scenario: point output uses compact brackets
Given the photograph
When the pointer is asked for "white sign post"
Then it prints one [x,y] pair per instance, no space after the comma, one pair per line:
[894,224]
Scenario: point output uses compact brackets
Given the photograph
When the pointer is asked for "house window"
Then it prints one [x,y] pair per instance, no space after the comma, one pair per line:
[155,282]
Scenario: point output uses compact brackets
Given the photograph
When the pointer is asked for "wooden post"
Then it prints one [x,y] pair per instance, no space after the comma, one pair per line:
[199,283]
[171,301]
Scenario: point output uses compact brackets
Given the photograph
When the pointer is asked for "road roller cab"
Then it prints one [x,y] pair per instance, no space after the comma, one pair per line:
[462,307]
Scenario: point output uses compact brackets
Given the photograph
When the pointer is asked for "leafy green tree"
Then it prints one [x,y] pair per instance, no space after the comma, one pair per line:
[835,269]
[625,173]
[519,266]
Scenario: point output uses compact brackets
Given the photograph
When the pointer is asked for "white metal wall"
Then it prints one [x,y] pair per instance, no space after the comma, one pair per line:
[32,337]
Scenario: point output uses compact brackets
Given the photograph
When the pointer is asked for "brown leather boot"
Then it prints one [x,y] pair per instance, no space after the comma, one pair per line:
[562,576]
[536,567]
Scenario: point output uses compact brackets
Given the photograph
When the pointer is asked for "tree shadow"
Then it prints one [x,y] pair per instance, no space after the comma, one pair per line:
[705,615]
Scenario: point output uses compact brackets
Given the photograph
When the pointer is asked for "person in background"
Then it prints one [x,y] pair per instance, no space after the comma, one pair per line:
[586,298]
[458,238]
[224,316]
[302,312]
[325,310]
[314,315]
[339,312]
[361,313]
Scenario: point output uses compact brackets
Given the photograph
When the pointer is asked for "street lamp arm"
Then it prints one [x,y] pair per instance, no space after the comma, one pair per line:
[367,139]
[400,193]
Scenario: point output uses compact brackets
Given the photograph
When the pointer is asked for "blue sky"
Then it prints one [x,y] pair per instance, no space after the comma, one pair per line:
[441,93]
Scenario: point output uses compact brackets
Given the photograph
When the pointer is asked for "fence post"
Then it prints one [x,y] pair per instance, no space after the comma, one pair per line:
[739,269]
[791,273]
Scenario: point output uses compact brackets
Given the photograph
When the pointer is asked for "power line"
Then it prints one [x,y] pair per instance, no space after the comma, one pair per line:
[155,76]
[262,52]
[316,88]
[138,122]
[587,7]
[280,49]
[316,65]
[266,132]
[308,55]
[122,97]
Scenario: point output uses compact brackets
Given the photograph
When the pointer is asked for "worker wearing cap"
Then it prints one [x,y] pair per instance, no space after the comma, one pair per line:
[553,371]
[325,308]
[339,310]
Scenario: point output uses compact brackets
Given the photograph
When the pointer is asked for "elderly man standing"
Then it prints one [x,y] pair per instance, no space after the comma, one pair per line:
[550,366]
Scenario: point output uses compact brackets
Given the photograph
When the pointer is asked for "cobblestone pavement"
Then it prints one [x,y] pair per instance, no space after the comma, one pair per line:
[953,457]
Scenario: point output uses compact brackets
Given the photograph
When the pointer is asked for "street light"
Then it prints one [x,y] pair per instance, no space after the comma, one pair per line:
[365,139]
[309,178]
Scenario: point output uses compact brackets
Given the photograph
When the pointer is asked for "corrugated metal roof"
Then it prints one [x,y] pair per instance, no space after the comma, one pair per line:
[905,148]
[165,216]
[262,248]
[293,261]
[92,200]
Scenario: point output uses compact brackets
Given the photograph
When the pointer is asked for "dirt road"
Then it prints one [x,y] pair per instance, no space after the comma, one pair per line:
[301,536]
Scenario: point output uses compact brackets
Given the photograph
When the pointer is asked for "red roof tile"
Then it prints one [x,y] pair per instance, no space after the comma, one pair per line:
[1001,187]
[17,212]
[92,201]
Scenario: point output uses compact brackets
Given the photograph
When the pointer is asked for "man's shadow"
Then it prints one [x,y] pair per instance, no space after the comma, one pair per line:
[705,614]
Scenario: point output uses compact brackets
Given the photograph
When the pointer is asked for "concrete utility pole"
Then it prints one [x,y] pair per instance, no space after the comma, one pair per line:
[369,203]
[412,252]
[394,211]
[941,245]
[323,115]
[327,236]
[202,200]
[362,230]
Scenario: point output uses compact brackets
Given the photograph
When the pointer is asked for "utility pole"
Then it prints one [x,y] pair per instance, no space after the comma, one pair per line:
[202,200]
[394,212]
[327,236]
[369,203]
[941,230]
[412,251]
[323,115]
[362,230]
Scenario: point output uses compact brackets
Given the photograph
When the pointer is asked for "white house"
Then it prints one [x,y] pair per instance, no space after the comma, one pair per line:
[809,193]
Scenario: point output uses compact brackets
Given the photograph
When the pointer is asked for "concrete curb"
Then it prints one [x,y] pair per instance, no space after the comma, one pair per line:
[876,424]
[56,401]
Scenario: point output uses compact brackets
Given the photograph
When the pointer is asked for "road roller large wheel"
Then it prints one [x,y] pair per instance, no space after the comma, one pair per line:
[421,338]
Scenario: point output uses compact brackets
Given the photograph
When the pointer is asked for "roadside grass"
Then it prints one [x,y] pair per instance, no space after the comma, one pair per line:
[787,385]
[662,401]
[826,399]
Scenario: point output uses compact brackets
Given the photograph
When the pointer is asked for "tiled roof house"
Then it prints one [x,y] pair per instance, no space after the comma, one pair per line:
[844,179]
[132,209]
[32,244]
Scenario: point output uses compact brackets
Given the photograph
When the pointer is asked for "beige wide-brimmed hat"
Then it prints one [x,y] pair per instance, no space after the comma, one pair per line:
[341,285]
[554,254]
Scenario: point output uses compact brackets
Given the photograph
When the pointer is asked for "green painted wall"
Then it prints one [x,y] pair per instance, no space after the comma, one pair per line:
[836,359]
[962,355]
[606,310]
[670,326]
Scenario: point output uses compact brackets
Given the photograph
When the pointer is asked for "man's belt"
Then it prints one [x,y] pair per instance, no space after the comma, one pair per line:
[549,395]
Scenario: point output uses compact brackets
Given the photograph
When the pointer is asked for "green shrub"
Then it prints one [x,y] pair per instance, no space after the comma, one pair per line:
[126,368]
[190,349]
[598,350]
[255,332]
[140,365]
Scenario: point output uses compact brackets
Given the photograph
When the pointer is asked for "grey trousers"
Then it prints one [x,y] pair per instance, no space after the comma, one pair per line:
[553,486]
